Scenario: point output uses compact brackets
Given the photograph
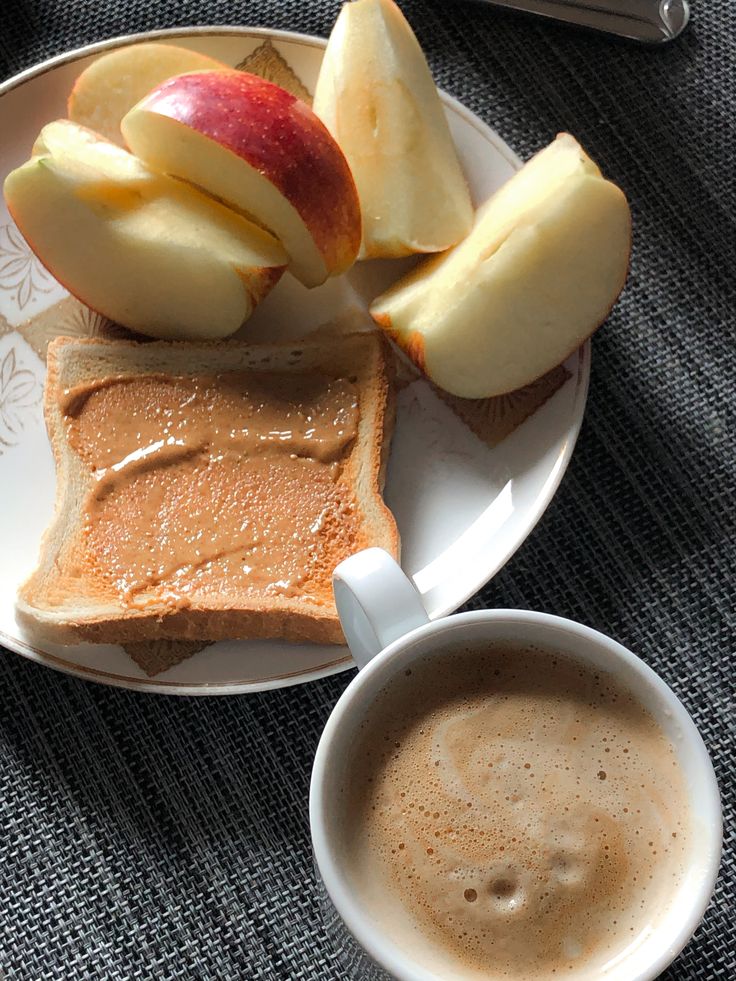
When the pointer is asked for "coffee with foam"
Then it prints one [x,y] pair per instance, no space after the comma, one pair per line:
[513,814]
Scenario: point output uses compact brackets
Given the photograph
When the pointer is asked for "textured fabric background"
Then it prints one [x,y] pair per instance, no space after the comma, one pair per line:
[143,837]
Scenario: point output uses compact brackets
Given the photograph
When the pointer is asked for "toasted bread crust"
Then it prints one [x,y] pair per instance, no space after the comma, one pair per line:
[58,605]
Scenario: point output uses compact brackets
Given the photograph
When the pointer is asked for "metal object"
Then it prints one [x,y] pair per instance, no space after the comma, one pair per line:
[649,21]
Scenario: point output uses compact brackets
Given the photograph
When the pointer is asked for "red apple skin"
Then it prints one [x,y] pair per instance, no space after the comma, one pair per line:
[272,275]
[412,346]
[281,137]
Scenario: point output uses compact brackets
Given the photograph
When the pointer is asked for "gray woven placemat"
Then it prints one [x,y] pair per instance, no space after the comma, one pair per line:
[145,837]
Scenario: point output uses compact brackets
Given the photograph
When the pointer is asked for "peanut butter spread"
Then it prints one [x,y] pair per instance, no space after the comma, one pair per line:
[215,484]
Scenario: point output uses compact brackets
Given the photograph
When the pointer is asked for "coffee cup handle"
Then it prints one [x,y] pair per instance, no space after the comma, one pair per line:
[376,603]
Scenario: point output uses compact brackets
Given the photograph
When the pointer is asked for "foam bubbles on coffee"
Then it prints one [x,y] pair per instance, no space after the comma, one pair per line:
[525,811]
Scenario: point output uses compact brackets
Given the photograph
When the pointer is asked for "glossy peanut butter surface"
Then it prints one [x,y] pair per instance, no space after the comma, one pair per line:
[214,484]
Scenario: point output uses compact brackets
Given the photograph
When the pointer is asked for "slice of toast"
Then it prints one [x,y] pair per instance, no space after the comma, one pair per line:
[68,600]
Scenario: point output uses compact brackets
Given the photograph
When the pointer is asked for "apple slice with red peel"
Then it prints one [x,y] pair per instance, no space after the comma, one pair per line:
[376,95]
[261,151]
[115,81]
[141,248]
[543,265]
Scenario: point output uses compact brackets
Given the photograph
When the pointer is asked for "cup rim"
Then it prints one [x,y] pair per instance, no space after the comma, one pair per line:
[335,882]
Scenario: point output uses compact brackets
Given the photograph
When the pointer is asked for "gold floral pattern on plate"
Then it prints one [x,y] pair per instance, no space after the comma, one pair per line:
[5,326]
[270,64]
[67,318]
[493,419]
[21,274]
[20,391]
[155,656]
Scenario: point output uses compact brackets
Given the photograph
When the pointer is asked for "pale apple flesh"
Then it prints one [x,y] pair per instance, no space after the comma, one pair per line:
[91,152]
[261,151]
[140,248]
[539,272]
[376,95]
[116,81]
[198,157]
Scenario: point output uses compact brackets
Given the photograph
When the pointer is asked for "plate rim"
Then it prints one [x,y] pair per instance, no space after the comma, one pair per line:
[344,661]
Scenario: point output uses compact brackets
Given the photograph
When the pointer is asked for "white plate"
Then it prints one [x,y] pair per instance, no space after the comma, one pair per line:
[462,509]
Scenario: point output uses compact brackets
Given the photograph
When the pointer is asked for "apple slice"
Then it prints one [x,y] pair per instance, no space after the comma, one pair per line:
[141,248]
[541,269]
[114,82]
[376,95]
[261,151]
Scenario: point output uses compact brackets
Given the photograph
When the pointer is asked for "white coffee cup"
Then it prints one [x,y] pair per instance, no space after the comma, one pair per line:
[387,629]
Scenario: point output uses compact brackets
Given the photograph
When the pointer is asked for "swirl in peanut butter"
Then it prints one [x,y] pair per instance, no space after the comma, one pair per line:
[211,484]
